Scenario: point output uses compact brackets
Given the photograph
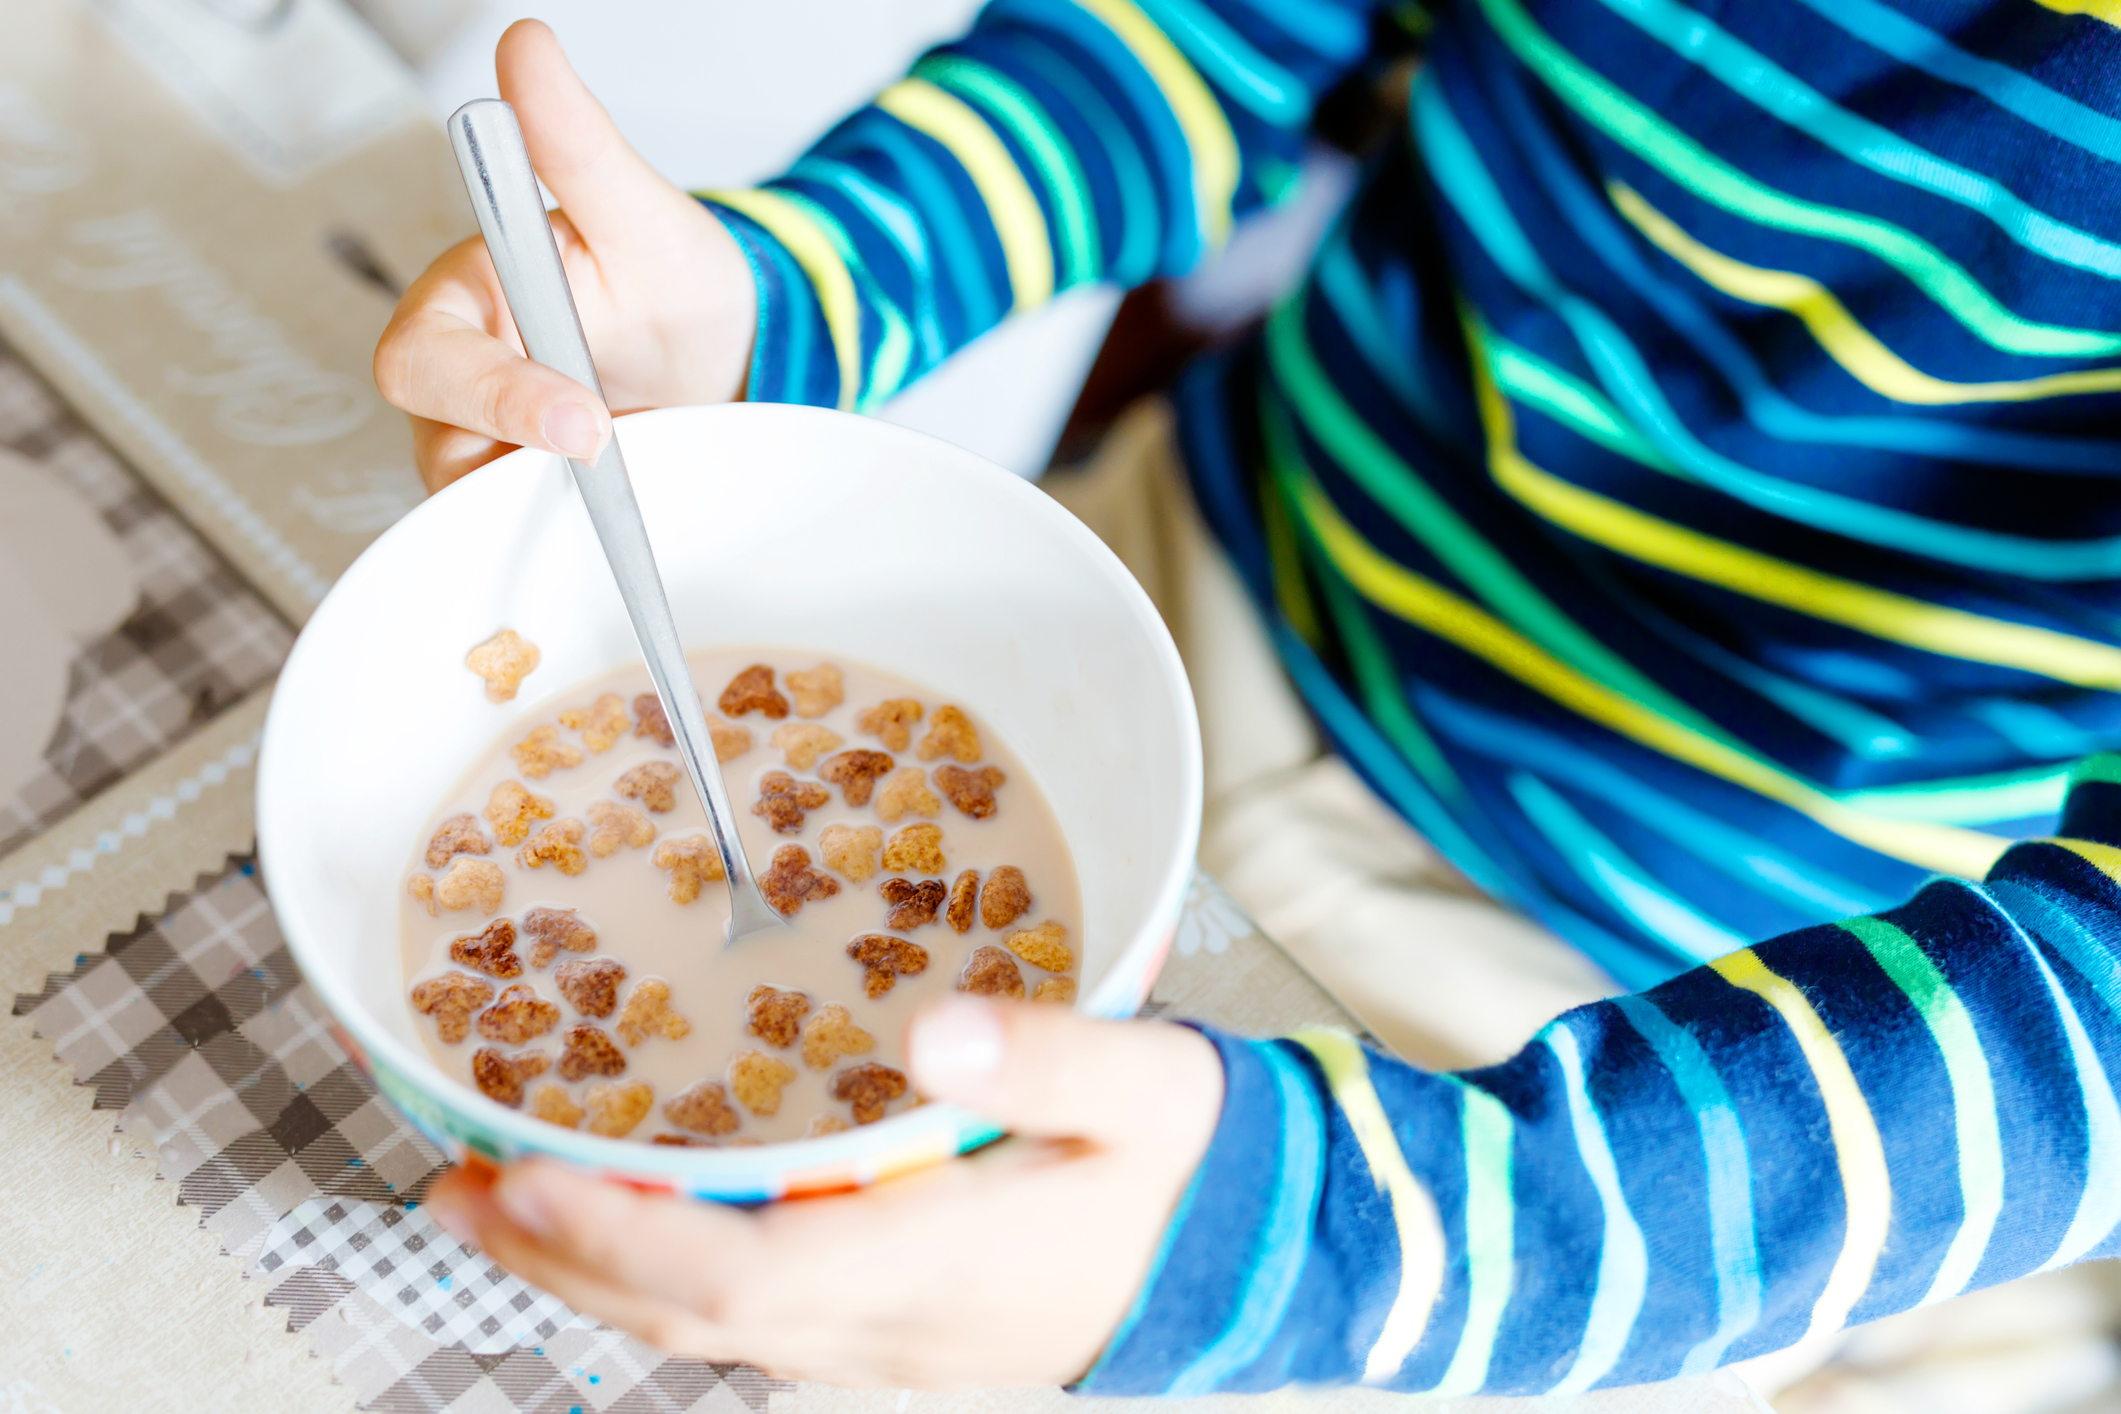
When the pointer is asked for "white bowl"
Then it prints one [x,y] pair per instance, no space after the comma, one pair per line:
[917,556]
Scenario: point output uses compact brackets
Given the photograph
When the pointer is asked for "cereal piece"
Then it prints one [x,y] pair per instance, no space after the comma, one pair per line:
[703,1109]
[511,809]
[601,723]
[783,799]
[1006,897]
[653,783]
[558,844]
[422,888]
[822,1125]
[681,1141]
[692,861]
[500,1078]
[789,880]
[855,773]
[756,1080]
[585,1051]
[616,1110]
[970,791]
[538,754]
[951,733]
[906,793]
[591,985]
[912,905]
[520,1015]
[617,826]
[918,848]
[817,690]
[651,721]
[451,999]
[752,691]
[774,1016]
[1055,989]
[804,742]
[832,1034]
[869,1087]
[459,834]
[990,972]
[471,883]
[851,849]
[504,660]
[964,901]
[552,1105]
[492,950]
[885,960]
[729,742]
[1042,947]
[551,929]
[647,1013]
[890,722]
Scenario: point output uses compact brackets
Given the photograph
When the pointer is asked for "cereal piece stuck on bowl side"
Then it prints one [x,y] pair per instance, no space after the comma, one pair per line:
[822,1125]
[617,827]
[832,1034]
[951,733]
[585,1051]
[869,1087]
[552,1105]
[692,861]
[512,809]
[451,999]
[885,959]
[500,1077]
[615,1111]
[651,721]
[459,834]
[890,722]
[422,889]
[775,1016]
[790,880]
[542,752]
[752,690]
[504,660]
[855,773]
[1006,898]
[591,985]
[912,905]
[1055,989]
[647,1013]
[551,929]
[906,793]
[964,902]
[601,723]
[492,951]
[851,849]
[471,883]
[558,844]
[783,799]
[802,743]
[520,1015]
[1042,947]
[970,791]
[817,690]
[918,848]
[703,1109]
[990,972]
[653,783]
[756,1078]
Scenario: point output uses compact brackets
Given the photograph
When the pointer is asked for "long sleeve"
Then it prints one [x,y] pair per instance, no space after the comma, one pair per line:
[1805,1134]
[1059,143]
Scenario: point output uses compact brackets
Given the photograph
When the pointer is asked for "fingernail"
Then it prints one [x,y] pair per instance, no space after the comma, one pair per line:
[571,429]
[451,1219]
[518,1196]
[957,1041]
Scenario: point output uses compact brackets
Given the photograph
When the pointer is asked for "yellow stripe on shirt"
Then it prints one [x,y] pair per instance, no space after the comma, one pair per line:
[813,250]
[2106,10]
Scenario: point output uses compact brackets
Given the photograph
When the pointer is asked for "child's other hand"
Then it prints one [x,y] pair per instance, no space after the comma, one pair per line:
[1012,1267]
[665,295]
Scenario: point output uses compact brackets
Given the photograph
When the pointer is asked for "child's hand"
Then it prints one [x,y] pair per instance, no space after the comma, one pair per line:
[1012,1267]
[665,295]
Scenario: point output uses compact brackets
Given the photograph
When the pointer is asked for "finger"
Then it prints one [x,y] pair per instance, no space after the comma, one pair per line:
[445,454]
[435,364]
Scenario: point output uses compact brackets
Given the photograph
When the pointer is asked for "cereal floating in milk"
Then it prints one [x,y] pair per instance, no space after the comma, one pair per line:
[851,849]
[501,1077]
[504,660]
[542,752]
[451,999]
[906,793]
[855,773]
[558,844]
[1006,898]
[970,791]
[822,1125]
[492,950]
[890,722]
[885,960]
[552,929]
[817,690]
[775,1016]
[756,1080]
[601,723]
[783,799]
[790,881]
[912,905]
[512,810]
[964,901]
[422,888]
[869,1087]
[990,972]
[459,834]
[520,1015]
[1055,989]
[1042,947]
[918,848]
[591,985]
[647,1013]
[653,722]
[692,861]
[832,1034]
[615,1111]
[802,743]
[585,1051]
[552,1105]
[653,783]
[752,690]
[951,733]
[730,742]
[703,1109]
[471,883]
[615,827]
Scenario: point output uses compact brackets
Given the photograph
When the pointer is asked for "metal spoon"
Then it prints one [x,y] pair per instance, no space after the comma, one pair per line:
[504,192]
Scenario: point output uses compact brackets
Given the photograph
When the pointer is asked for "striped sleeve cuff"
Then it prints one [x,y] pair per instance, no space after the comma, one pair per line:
[793,359]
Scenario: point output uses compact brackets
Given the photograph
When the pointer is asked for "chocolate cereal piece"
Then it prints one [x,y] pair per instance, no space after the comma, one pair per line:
[653,783]
[616,1110]
[990,972]
[756,1078]
[970,791]
[500,1077]
[471,883]
[459,834]
[752,691]
[647,1013]
[520,1015]
[790,880]
[822,1125]
[542,752]
[964,901]
[851,849]
[951,733]
[504,660]
[906,793]
[1055,989]
[512,810]
[552,929]
[651,721]
[885,959]
[615,827]
[558,844]
[1006,898]
[918,848]
[816,690]
[492,951]
[868,1087]
[552,1105]
[774,1016]
[890,722]
[601,723]
[1042,947]
[591,985]
[692,861]
[831,1034]
[855,773]
[912,905]
[451,999]
[783,799]
[703,1109]
[802,743]
[585,1051]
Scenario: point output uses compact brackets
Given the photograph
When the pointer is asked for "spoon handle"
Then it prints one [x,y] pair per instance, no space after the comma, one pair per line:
[504,192]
